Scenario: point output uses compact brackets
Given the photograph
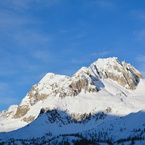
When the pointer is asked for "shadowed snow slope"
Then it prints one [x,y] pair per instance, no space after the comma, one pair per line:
[94,97]
[94,128]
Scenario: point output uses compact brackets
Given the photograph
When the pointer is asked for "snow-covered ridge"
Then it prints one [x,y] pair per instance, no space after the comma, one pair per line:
[106,83]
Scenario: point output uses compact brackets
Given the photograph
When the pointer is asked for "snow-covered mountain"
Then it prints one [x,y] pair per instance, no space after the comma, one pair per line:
[101,104]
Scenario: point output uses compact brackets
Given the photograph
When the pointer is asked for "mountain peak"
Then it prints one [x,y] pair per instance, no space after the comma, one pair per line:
[109,59]
[53,88]
[121,72]
[94,97]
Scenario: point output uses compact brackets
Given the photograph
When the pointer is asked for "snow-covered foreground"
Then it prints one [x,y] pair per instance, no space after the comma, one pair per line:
[55,126]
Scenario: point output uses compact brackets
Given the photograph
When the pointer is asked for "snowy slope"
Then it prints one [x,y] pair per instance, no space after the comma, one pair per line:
[93,98]
[52,125]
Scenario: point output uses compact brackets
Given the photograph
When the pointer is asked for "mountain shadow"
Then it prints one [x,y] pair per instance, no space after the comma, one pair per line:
[58,127]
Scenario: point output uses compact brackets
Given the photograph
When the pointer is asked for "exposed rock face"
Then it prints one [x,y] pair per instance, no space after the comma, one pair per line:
[35,96]
[62,118]
[21,111]
[28,119]
[82,81]
[121,72]
[11,111]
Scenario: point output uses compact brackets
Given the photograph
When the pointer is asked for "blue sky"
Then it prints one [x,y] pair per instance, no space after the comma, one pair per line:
[61,36]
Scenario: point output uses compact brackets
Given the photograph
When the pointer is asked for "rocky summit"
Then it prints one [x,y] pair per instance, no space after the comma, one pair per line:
[100,104]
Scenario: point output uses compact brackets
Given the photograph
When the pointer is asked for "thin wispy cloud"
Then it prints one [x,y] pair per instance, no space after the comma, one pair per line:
[101,54]
[90,57]
[141,64]
[18,5]
[23,5]
[79,61]
[13,64]
[31,39]
[64,31]
[43,55]
[6,95]
[8,101]
[105,4]
[140,35]
[79,36]
[142,70]
[7,72]
[69,72]
[61,36]
[8,63]
[15,28]
[3,86]
[143,74]
[15,25]
[138,14]
[140,58]
[12,19]
[49,3]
